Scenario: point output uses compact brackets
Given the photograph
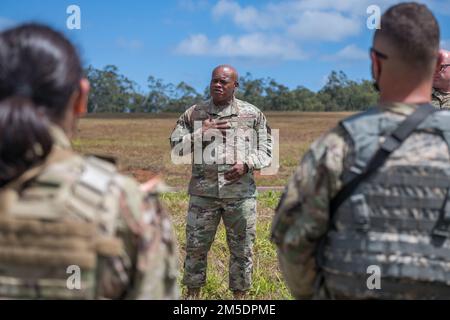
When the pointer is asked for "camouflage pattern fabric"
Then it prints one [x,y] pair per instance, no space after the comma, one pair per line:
[212,196]
[208,178]
[440,100]
[119,237]
[239,217]
[302,216]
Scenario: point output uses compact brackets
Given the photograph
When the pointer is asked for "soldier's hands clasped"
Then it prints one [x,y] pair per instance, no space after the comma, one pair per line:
[236,172]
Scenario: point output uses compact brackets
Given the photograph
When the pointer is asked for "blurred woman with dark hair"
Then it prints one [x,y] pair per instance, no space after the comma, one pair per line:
[61,212]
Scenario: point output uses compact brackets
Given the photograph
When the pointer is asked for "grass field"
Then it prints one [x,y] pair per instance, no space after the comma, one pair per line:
[141,145]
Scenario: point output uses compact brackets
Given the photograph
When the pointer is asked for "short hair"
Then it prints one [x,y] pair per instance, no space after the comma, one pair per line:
[413,31]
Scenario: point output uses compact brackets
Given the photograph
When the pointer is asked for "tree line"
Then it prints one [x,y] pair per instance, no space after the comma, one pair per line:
[111,91]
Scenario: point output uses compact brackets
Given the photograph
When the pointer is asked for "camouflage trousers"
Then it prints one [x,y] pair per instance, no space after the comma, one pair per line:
[239,218]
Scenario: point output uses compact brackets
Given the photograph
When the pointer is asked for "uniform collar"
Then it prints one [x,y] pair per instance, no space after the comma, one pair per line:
[229,110]
[437,94]
[441,96]
[59,137]
[399,108]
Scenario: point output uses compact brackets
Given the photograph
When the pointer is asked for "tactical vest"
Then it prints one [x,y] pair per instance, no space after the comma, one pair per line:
[56,234]
[440,100]
[386,224]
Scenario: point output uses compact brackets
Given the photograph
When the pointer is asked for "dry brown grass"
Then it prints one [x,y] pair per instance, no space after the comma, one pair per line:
[141,142]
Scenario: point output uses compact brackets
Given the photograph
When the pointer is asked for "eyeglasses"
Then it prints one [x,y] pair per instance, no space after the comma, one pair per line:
[378,53]
[443,67]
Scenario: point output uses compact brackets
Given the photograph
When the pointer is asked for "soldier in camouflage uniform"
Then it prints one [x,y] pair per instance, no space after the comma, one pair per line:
[71,227]
[219,188]
[391,220]
[441,82]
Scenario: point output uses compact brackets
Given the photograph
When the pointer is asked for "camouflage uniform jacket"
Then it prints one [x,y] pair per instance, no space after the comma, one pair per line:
[208,177]
[440,100]
[78,190]
[302,215]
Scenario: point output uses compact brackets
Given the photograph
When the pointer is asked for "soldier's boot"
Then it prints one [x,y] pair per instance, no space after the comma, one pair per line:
[193,294]
[239,295]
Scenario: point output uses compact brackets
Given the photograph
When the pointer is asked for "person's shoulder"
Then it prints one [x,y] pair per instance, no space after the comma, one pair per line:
[86,181]
[446,104]
[65,169]
[196,111]
[247,108]
[439,120]
[366,114]
[89,185]
[335,138]
[198,107]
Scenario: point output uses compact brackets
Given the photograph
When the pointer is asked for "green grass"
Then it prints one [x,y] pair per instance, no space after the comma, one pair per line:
[267,279]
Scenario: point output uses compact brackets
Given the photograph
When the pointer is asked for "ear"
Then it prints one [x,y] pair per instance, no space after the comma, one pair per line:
[375,65]
[80,104]
[236,84]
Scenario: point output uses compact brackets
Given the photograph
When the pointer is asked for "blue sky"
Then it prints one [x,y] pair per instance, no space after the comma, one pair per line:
[295,42]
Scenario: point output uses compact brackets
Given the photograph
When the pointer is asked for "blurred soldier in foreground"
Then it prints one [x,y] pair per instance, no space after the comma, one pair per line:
[71,227]
[222,185]
[367,212]
[441,82]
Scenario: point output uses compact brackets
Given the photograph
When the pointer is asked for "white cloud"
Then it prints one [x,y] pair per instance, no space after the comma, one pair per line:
[253,45]
[349,53]
[275,30]
[129,44]
[281,28]
[248,17]
[351,7]
[195,45]
[322,20]
[324,26]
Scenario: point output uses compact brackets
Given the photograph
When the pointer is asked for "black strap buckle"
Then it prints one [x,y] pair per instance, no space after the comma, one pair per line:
[360,212]
[390,143]
[441,230]
[440,233]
